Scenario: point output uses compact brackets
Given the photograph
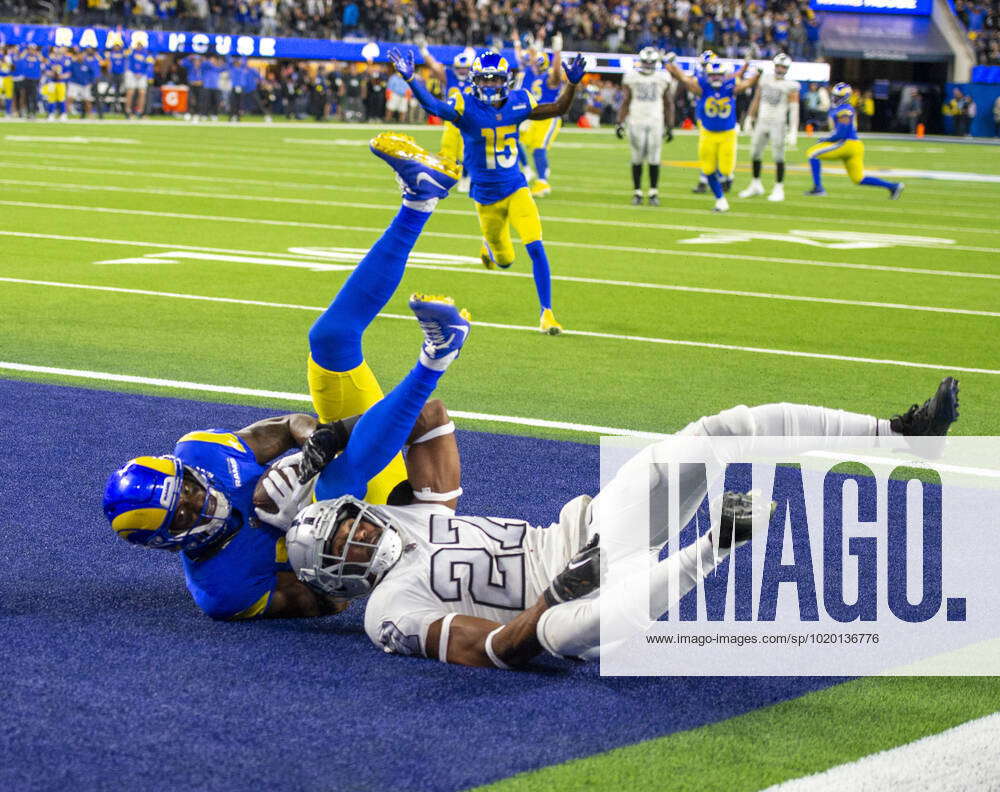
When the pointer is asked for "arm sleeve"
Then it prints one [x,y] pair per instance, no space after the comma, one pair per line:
[431,103]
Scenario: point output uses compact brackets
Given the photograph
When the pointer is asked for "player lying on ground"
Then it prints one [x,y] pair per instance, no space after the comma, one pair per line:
[198,500]
[647,113]
[484,591]
[488,115]
[845,146]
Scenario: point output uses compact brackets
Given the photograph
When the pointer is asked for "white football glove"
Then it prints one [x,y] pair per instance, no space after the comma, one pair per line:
[792,138]
[281,483]
[670,57]
[557,41]
[748,125]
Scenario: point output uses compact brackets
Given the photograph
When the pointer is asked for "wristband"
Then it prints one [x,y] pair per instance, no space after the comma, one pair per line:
[445,635]
[493,655]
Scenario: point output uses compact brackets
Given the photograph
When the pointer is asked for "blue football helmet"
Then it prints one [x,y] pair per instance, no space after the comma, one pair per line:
[141,501]
[716,73]
[706,57]
[461,64]
[543,63]
[487,67]
[840,93]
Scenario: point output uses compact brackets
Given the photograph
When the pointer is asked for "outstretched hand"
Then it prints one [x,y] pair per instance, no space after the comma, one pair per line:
[576,69]
[403,63]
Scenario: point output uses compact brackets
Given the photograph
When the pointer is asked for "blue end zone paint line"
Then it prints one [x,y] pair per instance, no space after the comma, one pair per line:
[114,680]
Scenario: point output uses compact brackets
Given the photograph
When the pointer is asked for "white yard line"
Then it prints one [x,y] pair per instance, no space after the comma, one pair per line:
[957,760]
[470,214]
[234,390]
[267,259]
[533,329]
[681,254]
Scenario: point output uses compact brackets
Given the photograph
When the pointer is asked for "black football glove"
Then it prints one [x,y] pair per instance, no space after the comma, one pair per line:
[581,575]
[668,135]
[326,441]
[620,131]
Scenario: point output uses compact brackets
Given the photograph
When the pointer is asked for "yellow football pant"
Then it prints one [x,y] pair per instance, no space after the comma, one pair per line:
[717,151]
[495,219]
[451,142]
[541,134]
[56,92]
[340,394]
[851,152]
[6,87]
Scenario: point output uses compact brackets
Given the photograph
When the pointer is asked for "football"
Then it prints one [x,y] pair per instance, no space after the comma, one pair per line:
[263,501]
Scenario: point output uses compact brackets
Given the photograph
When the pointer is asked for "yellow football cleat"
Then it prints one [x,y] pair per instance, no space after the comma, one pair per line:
[548,323]
[422,175]
[540,188]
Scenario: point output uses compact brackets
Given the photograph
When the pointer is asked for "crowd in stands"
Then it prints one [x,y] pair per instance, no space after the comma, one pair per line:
[733,28]
[982,22]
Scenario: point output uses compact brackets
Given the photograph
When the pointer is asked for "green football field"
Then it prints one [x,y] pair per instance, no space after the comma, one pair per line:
[190,261]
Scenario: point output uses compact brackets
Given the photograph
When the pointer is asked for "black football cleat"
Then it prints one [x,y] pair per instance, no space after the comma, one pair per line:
[736,522]
[653,200]
[727,185]
[934,416]
[637,200]
[701,188]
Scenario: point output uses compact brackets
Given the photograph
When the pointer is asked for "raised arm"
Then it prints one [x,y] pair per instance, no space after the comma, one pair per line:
[741,83]
[432,63]
[433,464]
[555,67]
[430,103]
[683,78]
[574,73]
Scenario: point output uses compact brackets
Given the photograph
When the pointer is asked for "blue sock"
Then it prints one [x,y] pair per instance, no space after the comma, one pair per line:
[8,106]
[713,183]
[335,338]
[816,169]
[540,269]
[522,155]
[379,436]
[871,181]
[542,163]
[61,107]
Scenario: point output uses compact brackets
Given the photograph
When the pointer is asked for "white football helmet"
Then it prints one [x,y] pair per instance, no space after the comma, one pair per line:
[331,552]
[649,60]
[782,63]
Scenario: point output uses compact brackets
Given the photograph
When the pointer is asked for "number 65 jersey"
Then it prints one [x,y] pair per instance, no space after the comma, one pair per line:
[489,567]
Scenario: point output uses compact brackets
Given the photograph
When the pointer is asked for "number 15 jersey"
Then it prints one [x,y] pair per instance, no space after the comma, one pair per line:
[490,137]
[489,567]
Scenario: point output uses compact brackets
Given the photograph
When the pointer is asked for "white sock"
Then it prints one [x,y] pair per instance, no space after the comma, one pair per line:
[437,364]
[421,206]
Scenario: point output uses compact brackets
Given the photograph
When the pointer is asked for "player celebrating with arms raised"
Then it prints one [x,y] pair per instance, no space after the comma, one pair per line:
[488,116]
[774,114]
[716,90]
[844,145]
[648,112]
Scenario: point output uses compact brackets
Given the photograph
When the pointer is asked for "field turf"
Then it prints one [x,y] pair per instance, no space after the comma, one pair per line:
[188,261]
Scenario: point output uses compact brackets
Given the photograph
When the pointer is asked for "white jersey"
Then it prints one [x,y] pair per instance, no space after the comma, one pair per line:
[489,567]
[773,104]
[646,105]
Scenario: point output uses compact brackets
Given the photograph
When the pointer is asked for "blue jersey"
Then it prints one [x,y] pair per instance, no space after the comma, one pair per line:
[490,136]
[453,83]
[29,66]
[140,62]
[538,85]
[194,67]
[237,581]
[717,106]
[116,61]
[844,127]
[60,68]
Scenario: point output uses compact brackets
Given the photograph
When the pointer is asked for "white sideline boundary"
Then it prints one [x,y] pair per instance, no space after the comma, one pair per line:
[234,390]
[957,760]
[687,253]
[533,329]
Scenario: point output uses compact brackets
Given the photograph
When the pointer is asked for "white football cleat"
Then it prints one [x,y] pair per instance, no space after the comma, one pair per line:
[777,193]
[721,205]
[755,188]
[464,184]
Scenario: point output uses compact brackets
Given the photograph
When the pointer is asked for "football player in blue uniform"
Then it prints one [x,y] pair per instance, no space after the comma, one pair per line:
[488,115]
[454,80]
[716,90]
[198,500]
[844,145]
[543,78]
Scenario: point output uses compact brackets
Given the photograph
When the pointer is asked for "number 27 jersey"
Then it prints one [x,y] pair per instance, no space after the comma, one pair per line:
[488,567]
[490,137]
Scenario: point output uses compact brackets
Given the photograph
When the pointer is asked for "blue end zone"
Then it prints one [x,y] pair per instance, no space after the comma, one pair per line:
[114,679]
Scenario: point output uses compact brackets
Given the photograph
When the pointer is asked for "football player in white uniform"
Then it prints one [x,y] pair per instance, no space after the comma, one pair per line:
[774,116]
[486,591]
[647,112]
